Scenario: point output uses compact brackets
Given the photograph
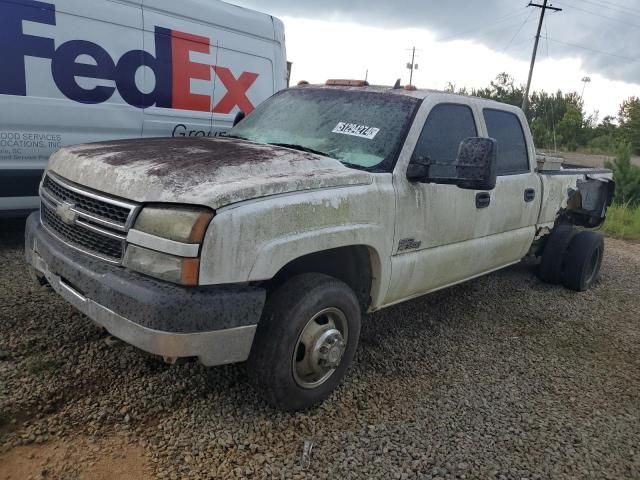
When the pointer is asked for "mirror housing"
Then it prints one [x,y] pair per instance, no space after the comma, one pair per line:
[476,164]
[474,168]
[239,117]
[418,170]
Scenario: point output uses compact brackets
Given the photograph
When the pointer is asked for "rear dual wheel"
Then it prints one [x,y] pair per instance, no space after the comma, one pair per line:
[572,257]
[554,254]
[583,260]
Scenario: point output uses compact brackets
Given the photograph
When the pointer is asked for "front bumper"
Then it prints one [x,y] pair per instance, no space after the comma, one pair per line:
[215,324]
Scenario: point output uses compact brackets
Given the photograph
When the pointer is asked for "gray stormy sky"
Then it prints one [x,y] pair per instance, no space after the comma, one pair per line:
[610,26]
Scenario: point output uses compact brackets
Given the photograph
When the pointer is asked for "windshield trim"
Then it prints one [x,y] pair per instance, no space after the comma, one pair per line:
[388,165]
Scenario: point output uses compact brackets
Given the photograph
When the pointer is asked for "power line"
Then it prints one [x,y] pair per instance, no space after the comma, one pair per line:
[616,9]
[599,15]
[594,50]
[518,32]
[524,40]
[628,59]
[499,30]
[510,16]
[604,4]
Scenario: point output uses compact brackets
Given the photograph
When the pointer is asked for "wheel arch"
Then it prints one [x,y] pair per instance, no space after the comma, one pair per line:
[356,265]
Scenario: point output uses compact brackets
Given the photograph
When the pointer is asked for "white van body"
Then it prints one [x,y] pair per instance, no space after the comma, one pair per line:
[78,71]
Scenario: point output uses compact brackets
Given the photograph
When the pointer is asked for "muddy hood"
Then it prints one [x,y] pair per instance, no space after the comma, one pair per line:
[203,171]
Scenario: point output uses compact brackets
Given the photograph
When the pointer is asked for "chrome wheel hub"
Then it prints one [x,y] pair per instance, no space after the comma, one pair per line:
[328,349]
[320,348]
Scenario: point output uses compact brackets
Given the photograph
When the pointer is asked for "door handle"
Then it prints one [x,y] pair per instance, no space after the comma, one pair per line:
[483,199]
[529,195]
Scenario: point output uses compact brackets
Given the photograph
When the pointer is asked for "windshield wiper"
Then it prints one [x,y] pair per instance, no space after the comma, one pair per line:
[302,148]
[354,165]
[226,135]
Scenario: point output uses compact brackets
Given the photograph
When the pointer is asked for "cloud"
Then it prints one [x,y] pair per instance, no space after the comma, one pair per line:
[603,34]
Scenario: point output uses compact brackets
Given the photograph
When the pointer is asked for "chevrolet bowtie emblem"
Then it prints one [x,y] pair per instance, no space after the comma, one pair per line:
[66,213]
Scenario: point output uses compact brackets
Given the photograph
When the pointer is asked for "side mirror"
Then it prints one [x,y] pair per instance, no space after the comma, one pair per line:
[239,117]
[418,169]
[476,164]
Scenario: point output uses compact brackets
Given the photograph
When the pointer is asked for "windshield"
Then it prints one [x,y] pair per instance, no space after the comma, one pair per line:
[359,128]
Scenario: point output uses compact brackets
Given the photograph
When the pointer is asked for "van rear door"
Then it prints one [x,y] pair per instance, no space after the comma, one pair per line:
[245,74]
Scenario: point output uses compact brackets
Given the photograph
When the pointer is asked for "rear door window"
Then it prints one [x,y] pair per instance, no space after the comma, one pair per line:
[506,128]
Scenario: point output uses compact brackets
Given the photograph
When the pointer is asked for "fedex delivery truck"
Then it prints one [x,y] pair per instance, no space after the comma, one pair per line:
[77,71]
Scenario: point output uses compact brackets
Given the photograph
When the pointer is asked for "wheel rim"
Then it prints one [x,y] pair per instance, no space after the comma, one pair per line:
[320,347]
[592,265]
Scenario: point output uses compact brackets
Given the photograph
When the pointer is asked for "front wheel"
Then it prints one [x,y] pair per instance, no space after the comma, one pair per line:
[305,341]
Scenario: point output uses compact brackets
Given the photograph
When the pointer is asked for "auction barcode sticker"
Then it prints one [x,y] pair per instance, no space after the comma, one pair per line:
[356,130]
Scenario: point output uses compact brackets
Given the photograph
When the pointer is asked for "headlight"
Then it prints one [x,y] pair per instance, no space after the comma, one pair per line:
[181,224]
[165,242]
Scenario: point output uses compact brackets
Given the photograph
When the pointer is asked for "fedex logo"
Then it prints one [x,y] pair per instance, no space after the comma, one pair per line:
[171,65]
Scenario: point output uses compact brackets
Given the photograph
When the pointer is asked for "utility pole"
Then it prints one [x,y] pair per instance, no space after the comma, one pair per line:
[413,65]
[544,8]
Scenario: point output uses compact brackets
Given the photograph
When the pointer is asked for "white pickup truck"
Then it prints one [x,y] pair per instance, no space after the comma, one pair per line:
[323,204]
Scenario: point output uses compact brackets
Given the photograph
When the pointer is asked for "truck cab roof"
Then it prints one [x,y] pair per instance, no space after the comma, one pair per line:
[419,93]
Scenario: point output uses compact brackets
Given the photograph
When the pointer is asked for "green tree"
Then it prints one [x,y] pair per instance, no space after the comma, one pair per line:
[558,119]
[570,127]
[629,118]
[605,136]
[503,89]
[626,175]
[542,135]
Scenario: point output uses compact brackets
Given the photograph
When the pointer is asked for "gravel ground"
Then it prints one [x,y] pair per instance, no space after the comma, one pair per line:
[501,377]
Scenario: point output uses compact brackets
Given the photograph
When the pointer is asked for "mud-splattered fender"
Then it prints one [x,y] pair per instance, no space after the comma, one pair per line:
[253,240]
[274,255]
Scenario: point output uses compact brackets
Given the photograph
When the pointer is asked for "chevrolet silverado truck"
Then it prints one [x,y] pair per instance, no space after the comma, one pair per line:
[325,203]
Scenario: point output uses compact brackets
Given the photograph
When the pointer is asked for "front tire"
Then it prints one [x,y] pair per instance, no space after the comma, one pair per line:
[305,341]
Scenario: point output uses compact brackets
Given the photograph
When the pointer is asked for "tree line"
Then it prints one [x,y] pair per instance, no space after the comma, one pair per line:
[558,122]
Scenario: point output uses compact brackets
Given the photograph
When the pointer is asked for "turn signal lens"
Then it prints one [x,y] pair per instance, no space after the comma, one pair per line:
[190,271]
[183,271]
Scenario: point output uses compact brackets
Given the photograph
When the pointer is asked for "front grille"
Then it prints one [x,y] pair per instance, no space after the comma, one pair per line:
[83,238]
[99,208]
[88,221]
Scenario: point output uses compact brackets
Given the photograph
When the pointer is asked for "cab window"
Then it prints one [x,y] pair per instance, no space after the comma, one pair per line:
[447,125]
[506,128]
